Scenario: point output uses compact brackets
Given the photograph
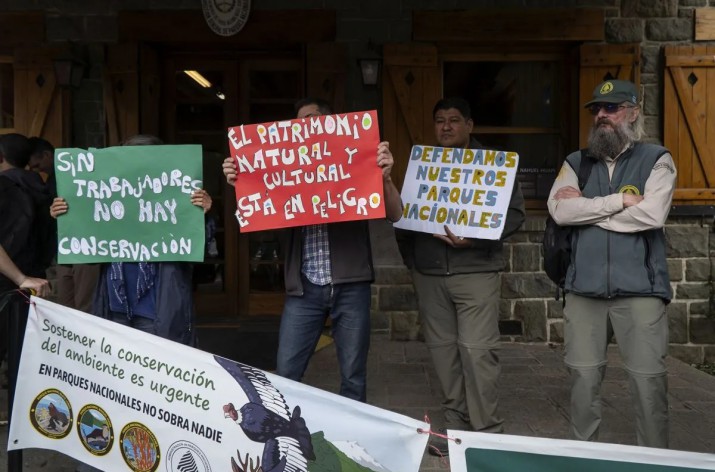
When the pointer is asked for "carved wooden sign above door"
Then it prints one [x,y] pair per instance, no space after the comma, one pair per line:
[226,17]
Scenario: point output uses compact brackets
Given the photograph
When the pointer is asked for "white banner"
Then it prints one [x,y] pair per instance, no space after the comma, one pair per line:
[467,190]
[120,399]
[479,452]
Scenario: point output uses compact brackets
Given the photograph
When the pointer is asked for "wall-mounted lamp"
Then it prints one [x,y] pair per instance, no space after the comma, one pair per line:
[370,69]
[69,71]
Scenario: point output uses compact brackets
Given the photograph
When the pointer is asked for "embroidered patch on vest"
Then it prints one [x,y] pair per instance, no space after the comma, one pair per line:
[665,165]
[631,189]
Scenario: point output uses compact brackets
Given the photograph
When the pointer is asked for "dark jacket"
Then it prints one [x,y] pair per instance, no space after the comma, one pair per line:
[431,256]
[174,301]
[350,255]
[606,264]
[27,231]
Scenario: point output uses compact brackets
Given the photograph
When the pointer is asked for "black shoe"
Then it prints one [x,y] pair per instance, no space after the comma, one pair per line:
[439,446]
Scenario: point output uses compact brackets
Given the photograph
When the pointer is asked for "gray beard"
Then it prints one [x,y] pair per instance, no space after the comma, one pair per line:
[606,142]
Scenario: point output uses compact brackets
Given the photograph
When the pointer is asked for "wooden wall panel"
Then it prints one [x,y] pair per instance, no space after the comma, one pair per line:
[557,24]
[704,24]
[412,84]
[264,28]
[41,106]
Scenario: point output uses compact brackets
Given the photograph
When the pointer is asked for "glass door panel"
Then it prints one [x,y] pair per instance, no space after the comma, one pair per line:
[269,90]
[518,105]
[200,104]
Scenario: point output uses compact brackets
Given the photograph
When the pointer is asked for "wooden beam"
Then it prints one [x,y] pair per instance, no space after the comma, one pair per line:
[690,61]
[694,194]
[22,28]
[263,29]
[607,60]
[526,24]
[704,24]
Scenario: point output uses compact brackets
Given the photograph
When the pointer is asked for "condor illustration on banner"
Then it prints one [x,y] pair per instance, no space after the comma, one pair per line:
[318,169]
[479,452]
[119,399]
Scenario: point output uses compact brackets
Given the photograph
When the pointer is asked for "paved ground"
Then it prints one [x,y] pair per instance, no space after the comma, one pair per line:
[534,397]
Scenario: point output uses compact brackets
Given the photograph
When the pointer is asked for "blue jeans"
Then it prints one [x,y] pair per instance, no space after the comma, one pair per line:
[348,305]
[141,323]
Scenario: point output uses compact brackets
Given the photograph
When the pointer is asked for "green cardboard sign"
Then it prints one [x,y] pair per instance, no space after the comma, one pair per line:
[130,204]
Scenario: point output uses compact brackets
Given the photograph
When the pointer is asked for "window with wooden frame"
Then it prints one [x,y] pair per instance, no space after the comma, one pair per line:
[520,102]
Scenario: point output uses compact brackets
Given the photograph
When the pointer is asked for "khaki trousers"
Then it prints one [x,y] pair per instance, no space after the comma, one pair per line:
[76,285]
[641,329]
[460,321]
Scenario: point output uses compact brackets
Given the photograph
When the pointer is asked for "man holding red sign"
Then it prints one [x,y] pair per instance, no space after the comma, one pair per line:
[328,272]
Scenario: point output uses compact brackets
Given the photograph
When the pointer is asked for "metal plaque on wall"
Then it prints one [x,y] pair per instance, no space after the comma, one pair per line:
[226,17]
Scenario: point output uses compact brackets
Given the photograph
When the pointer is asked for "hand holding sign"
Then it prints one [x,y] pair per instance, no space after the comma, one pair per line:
[229,170]
[452,239]
[311,170]
[466,189]
[130,203]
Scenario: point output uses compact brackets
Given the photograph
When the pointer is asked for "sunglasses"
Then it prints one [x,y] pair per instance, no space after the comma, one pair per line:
[609,108]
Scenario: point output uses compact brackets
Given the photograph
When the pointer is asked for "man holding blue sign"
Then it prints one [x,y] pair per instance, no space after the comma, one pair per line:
[457,283]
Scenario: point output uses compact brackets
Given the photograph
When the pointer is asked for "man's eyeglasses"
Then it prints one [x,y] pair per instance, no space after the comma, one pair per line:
[609,108]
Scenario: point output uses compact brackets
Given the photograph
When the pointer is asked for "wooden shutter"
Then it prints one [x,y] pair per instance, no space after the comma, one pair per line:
[41,106]
[688,117]
[326,65]
[412,84]
[601,62]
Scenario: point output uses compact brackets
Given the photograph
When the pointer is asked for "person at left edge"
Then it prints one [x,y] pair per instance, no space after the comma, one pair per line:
[10,270]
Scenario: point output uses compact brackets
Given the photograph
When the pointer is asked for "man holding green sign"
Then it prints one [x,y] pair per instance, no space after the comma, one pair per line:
[134,207]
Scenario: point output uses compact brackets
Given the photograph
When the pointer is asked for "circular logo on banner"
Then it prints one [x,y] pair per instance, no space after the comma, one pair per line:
[183,456]
[140,449]
[95,430]
[51,414]
[226,17]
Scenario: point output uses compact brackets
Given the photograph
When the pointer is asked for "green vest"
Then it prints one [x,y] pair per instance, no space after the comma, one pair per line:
[607,264]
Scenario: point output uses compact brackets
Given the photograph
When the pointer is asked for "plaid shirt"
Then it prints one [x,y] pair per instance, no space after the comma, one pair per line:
[316,254]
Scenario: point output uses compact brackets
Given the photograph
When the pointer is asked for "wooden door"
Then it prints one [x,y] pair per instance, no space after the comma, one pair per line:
[268,89]
[196,113]
[412,84]
[600,62]
[688,117]
[41,106]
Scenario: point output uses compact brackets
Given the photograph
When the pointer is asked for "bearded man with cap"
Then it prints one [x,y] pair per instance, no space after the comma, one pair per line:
[618,270]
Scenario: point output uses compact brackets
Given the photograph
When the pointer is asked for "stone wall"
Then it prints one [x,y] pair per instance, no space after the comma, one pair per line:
[528,296]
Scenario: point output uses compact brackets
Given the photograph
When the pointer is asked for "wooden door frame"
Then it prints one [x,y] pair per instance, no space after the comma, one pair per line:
[227,301]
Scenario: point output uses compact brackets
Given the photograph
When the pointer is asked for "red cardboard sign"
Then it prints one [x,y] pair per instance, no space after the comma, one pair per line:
[318,169]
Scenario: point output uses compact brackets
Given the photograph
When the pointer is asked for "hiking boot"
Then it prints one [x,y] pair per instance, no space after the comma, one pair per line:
[437,445]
